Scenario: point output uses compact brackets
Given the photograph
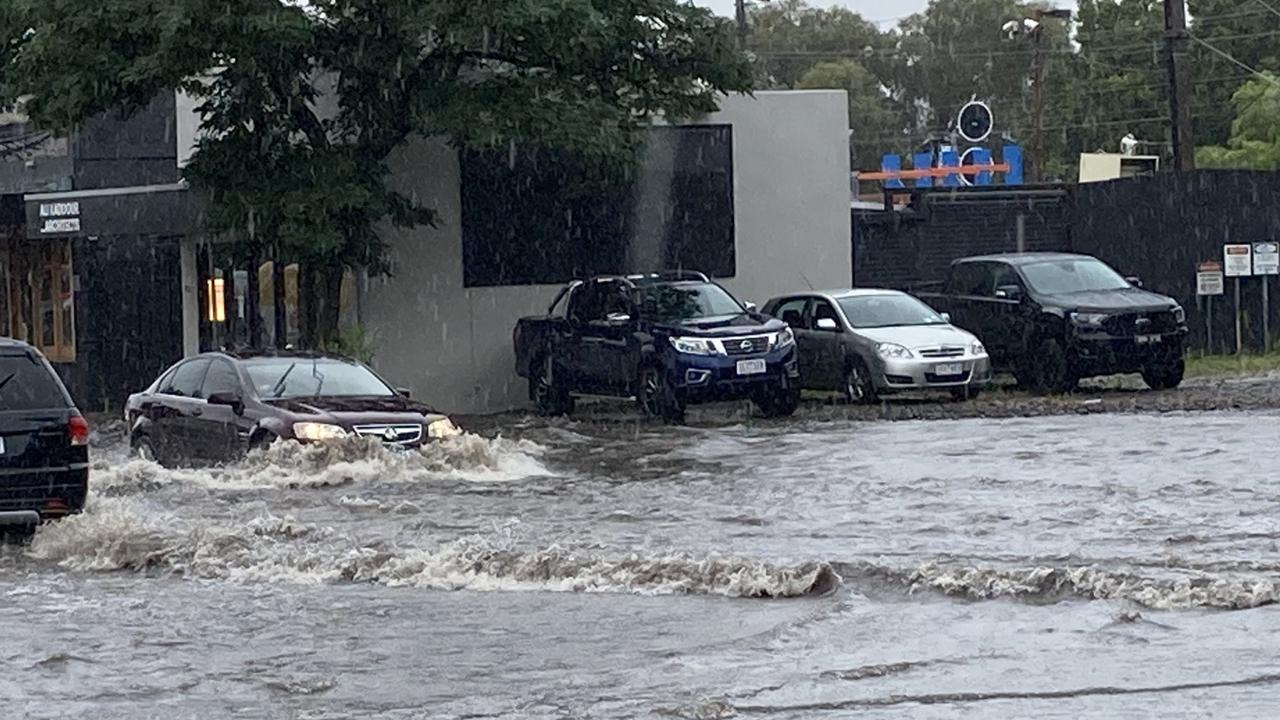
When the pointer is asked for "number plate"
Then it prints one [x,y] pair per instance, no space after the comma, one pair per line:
[949,369]
[751,367]
[1147,339]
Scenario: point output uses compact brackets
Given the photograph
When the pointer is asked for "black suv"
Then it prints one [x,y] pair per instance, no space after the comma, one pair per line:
[667,339]
[44,454]
[1054,318]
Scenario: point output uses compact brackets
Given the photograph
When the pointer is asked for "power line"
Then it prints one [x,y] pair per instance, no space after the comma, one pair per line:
[1228,56]
[1269,7]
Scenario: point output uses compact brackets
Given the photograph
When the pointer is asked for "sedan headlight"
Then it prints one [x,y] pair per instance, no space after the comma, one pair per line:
[893,351]
[1179,315]
[318,431]
[693,346]
[978,348]
[443,428]
[1089,319]
[784,338]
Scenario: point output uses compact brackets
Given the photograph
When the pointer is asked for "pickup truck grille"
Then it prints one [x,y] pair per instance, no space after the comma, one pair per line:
[946,351]
[753,345]
[1130,324]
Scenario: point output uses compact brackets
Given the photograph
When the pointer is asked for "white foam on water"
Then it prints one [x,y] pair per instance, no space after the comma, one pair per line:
[125,534]
[469,458]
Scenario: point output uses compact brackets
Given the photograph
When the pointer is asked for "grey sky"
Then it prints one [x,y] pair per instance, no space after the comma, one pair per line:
[873,10]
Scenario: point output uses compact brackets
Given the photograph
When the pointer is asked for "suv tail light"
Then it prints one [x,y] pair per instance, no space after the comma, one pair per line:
[78,430]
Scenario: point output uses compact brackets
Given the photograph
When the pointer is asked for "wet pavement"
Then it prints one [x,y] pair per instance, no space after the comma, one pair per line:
[1073,565]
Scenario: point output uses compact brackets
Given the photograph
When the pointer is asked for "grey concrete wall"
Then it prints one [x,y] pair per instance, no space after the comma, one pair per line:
[452,345]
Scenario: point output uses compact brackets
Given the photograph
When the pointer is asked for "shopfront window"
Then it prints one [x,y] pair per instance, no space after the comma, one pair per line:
[37,297]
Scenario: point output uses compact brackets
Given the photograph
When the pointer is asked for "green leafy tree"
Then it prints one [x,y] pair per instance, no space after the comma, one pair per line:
[1249,32]
[1255,133]
[576,75]
[789,37]
[877,127]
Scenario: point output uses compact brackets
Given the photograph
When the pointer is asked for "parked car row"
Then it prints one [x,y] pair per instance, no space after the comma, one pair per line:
[674,339]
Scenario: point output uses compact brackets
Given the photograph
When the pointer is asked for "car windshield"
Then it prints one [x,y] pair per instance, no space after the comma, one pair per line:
[306,377]
[687,301]
[875,311]
[26,384]
[1060,277]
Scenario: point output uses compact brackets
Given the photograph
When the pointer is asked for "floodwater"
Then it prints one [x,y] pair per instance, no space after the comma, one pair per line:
[1064,567]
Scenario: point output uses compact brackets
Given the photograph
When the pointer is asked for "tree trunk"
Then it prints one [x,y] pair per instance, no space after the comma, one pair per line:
[329,279]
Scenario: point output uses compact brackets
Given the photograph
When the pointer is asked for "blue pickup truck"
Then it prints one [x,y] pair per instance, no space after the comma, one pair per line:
[668,340]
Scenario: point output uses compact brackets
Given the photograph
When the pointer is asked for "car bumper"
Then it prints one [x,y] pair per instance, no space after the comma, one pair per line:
[1104,354]
[922,373]
[717,377]
[49,492]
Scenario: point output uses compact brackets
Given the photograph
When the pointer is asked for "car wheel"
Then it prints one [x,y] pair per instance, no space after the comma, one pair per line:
[859,388]
[144,449]
[965,393]
[656,397]
[1052,369]
[1165,375]
[262,440]
[548,392]
[778,402]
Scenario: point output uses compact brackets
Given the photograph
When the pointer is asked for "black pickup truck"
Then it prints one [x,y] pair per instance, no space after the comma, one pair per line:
[1054,318]
[667,340]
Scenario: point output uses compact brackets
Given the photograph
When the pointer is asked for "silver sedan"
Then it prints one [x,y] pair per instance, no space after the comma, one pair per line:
[868,343]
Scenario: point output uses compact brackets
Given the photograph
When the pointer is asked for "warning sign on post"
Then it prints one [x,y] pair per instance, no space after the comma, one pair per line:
[1238,260]
[1209,280]
[1266,258]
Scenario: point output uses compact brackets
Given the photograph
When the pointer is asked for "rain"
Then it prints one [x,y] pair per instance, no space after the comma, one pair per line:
[678,358]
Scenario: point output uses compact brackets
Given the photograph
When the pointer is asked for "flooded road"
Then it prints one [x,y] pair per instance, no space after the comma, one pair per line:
[1077,566]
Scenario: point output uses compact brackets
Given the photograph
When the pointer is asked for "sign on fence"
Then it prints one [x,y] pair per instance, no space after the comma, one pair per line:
[1209,279]
[1266,258]
[1238,260]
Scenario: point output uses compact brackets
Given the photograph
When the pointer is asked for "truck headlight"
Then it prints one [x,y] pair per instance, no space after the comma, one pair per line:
[1091,320]
[893,351]
[318,431]
[784,338]
[443,428]
[693,346]
[1179,315]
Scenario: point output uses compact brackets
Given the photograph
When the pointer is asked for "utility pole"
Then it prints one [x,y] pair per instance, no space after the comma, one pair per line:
[1037,103]
[741,16]
[1179,60]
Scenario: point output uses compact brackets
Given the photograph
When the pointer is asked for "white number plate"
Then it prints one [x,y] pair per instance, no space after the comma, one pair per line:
[751,367]
[1147,339]
[949,369]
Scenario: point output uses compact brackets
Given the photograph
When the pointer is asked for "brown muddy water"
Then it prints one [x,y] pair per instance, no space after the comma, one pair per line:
[1099,566]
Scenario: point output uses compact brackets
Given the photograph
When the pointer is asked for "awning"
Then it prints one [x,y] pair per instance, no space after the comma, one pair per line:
[166,210]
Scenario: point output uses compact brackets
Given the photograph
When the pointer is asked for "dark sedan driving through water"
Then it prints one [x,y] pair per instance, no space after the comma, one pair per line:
[215,407]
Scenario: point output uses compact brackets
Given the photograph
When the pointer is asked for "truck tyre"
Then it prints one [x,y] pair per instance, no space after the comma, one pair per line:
[778,402]
[859,388]
[1165,374]
[1050,368]
[657,398]
[547,390]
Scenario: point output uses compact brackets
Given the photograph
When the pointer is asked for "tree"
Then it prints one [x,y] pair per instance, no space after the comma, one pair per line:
[789,37]
[1255,133]
[1244,31]
[877,128]
[578,75]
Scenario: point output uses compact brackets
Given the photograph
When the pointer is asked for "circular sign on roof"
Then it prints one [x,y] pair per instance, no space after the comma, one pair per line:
[975,121]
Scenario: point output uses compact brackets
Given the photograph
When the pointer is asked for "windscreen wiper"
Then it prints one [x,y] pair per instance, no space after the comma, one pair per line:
[279,386]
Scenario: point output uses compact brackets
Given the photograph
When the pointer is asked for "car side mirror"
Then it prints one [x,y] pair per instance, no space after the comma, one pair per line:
[946,318]
[404,393]
[1134,280]
[828,325]
[751,307]
[1009,292]
[617,319]
[226,399]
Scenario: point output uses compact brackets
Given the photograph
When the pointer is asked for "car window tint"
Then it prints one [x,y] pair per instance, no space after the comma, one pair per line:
[970,279]
[587,304]
[222,378]
[822,310]
[791,312]
[187,379]
[27,383]
[1004,275]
